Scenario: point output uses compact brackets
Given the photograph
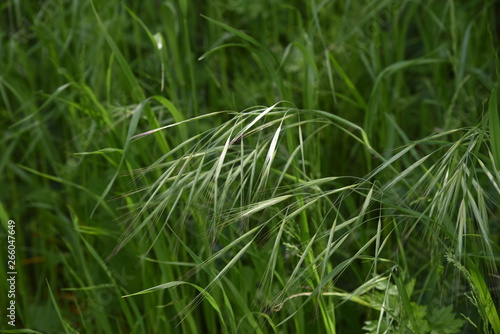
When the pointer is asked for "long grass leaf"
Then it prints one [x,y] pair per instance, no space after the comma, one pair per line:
[494,118]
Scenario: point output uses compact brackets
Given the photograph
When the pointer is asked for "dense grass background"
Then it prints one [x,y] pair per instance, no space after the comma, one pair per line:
[323,166]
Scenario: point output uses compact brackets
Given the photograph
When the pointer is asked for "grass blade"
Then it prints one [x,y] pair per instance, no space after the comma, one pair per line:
[494,120]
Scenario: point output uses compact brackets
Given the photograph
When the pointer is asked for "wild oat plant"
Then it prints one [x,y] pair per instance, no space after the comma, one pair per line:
[251,166]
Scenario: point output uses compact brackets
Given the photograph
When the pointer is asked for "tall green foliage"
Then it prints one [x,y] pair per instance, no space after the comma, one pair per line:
[251,166]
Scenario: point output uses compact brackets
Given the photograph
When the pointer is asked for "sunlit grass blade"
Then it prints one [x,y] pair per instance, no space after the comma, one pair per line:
[206,295]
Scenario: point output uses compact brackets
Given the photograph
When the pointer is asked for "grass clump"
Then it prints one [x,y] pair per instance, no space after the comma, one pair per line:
[234,167]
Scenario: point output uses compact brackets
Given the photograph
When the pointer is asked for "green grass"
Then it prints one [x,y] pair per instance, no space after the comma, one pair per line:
[251,166]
